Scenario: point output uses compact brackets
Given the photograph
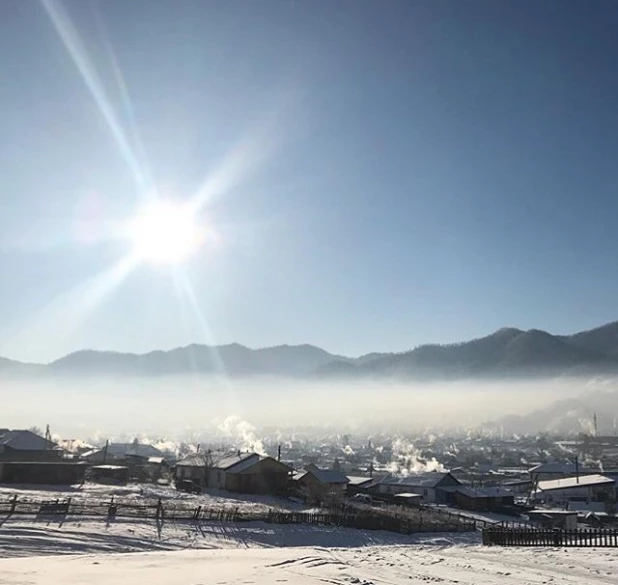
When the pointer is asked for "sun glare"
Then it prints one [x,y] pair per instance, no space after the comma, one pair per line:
[165,233]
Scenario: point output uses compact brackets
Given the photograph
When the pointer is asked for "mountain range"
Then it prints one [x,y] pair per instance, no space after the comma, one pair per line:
[505,352]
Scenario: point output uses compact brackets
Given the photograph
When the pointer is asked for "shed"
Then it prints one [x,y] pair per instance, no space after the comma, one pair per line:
[554,518]
[322,485]
[110,474]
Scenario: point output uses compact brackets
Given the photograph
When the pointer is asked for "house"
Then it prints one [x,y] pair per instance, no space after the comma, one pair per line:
[321,485]
[192,468]
[554,518]
[484,499]
[43,472]
[429,485]
[361,485]
[558,470]
[126,453]
[239,472]
[579,489]
[248,473]
[22,445]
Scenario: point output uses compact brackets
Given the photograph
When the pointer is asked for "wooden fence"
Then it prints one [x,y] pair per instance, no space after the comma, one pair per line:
[404,522]
[528,536]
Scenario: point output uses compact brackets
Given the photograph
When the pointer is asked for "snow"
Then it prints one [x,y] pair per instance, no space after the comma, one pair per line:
[343,565]
[74,550]
[145,493]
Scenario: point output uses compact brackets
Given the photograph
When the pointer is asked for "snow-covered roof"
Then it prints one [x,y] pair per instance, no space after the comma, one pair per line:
[25,441]
[407,496]
[430,479]
[128,450]
[330,476]
[194,460]
[544,512]
[358,481]
[560,467]
[574,482]
[226,461]
[245,464]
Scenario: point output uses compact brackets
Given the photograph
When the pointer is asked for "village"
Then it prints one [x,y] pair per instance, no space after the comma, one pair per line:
[564,483]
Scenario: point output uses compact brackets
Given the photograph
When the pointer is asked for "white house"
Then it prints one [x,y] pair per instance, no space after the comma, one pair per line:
[583,489]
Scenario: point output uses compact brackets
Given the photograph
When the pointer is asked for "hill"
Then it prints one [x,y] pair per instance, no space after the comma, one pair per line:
[506,352]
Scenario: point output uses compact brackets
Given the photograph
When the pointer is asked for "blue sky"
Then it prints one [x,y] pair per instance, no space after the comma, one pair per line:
[391,173]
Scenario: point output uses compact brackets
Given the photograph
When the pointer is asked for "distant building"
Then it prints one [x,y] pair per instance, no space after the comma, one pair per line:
[22,445]
[126,453]
[557,470]
[429,485]
[110,474]
[238,472]
[321,485]
[485,499]
[554,518]
[192,468]
[581,489]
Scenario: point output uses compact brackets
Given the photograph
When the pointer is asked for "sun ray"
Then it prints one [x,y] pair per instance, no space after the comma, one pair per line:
[75,47]
[65,313]
[184,287]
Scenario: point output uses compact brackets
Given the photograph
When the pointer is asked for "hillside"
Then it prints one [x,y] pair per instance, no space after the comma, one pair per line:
[506,352]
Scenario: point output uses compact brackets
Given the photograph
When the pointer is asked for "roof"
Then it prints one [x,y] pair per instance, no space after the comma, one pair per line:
[128,450]
[540,511]
[483,492]
[109,467]
[574,482]
[359,481]
[425,480]
[194,460]
[59,463]
[226,461]
[329,476]
[566,467]
[25,441]
[408,496]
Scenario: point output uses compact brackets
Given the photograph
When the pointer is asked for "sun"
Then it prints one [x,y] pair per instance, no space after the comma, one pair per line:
[164,233]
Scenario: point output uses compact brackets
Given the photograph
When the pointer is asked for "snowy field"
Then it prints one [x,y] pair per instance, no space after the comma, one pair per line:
[393,565]
[93,551]
[71,550]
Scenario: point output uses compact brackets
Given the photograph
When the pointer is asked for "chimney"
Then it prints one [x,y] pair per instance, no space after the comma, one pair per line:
[577,468]
[371,470]
[279,453]
[239,452]
[198,448]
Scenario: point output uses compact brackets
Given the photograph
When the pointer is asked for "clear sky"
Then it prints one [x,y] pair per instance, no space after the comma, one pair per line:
[374,174]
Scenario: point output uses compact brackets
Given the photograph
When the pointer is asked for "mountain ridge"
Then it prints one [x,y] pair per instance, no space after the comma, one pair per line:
[507,351]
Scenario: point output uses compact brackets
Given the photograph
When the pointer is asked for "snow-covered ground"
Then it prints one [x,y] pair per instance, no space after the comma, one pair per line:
[146,493]
[91,550]
[395,565]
